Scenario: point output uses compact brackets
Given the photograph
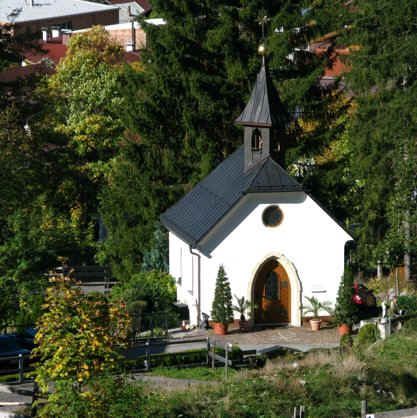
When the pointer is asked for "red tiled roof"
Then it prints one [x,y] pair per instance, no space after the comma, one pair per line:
[16,73]
[54,50]
[336,67]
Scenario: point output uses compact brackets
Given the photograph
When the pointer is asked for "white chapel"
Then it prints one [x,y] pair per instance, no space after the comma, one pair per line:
[276,243]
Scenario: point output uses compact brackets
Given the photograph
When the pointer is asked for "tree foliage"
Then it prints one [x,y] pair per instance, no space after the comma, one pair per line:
[40,222]
[78,335]
[197,74]
[155,288]
[346,311]
[383,137]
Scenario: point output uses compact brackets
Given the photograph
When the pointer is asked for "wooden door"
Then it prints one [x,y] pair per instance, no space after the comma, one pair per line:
[272,294]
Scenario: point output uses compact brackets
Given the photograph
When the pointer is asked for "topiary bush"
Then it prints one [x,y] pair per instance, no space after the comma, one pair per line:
[222,311]
[367,335]
[407,303]
[346,311]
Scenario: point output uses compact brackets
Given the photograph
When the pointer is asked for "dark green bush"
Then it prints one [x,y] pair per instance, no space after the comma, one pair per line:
[167,360]
[346,341]
[411,325]
[407,303]
[346,311]
[367,335]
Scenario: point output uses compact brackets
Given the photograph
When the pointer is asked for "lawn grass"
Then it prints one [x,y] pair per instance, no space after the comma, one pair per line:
[327,383]
[11,378]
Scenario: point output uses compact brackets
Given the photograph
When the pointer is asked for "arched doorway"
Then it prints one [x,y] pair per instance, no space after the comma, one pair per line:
[272,294]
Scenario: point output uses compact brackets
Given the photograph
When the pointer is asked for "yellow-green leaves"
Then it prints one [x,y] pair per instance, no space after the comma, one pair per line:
[79,335]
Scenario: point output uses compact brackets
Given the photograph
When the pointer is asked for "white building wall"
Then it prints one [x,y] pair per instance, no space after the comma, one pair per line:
[183,266]
[309,238]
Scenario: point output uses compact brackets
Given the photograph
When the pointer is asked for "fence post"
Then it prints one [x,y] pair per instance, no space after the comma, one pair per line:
[20,368]
[148,356]
[226,355]
[302,411]
[213,351]
[208,351]
[364,407]
[226,363]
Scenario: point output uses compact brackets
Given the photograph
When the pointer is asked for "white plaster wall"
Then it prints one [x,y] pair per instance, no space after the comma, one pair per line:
[183,267]
[308,238]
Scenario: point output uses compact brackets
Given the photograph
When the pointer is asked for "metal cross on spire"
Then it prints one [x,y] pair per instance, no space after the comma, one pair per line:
[263,21]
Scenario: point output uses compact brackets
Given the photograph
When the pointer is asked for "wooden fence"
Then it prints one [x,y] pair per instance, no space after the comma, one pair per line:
[20,368]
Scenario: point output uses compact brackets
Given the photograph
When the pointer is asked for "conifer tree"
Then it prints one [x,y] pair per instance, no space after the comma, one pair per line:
[346,312]
[196,76]
[222,310]
[383,78]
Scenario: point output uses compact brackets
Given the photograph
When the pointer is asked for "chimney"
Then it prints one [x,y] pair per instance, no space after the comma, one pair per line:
[56,32]
[45,34]
[66,36]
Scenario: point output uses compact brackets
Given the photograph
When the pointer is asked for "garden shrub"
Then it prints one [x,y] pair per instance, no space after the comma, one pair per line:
[411,325]
[346,341]
[168,360]
[407,303]
[346,312]
[367,335]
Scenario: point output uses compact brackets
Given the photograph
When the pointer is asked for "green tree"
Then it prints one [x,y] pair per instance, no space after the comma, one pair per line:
[155,288]
[383,135]
[52,166]
[40,223]
[156,258]
[222,309]
[79,337]
[197,73]
[346,311]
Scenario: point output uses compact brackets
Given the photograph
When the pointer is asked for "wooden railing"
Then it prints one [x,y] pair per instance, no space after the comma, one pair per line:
[20,368]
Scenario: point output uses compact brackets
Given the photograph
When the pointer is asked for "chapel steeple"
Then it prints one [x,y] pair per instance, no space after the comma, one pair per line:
[263,119]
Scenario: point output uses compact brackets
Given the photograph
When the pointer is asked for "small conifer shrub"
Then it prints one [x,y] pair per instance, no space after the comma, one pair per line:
[346,311]
[222,311]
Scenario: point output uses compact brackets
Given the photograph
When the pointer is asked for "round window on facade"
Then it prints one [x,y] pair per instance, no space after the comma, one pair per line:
[272,216]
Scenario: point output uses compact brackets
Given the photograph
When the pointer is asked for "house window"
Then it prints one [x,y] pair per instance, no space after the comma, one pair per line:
[257,142]
[272,216]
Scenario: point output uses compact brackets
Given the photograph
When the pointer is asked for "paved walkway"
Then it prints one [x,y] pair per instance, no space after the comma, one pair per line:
[400,413]
[271,339]
[262,340]
[14,398]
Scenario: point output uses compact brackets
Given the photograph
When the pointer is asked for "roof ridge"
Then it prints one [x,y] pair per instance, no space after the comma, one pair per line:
[260,165]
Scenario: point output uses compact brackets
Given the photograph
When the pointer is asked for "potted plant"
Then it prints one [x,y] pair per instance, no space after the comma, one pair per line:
[346,311]
[242,306]
[221,311]
[315,307]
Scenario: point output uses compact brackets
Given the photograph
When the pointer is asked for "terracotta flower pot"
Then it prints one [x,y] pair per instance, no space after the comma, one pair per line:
[315,324]
[220,329]
[344,329]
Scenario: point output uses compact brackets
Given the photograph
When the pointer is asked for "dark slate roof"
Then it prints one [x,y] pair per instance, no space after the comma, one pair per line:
[209,201]
[264,107]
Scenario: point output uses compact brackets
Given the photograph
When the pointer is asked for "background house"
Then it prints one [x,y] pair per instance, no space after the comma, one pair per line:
[34,15]
[131,9]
